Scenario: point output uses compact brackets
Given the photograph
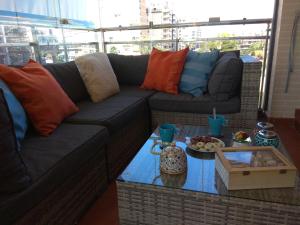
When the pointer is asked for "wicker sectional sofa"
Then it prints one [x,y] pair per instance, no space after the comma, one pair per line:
[245,118]
[75,164]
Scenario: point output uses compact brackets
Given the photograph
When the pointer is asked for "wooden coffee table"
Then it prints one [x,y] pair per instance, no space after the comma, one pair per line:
[145,196]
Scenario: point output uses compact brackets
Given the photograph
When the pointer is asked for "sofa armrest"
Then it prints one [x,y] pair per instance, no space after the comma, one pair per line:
[250,87]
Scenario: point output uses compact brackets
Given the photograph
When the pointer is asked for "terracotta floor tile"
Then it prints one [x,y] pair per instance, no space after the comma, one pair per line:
[104,211]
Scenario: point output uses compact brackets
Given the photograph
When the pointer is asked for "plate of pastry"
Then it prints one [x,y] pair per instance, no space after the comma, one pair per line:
[204,143]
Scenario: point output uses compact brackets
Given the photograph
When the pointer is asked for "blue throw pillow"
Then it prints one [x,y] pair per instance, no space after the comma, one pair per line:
[17,112]
[197,68]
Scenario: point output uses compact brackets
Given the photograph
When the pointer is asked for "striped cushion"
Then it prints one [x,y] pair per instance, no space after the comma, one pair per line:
[197,69]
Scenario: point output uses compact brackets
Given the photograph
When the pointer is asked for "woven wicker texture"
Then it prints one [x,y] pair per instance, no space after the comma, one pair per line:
[144,202]
[247,117]
[125,143]
[140,204]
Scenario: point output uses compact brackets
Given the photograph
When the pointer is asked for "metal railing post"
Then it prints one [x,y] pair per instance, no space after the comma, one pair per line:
[35,45]
[96,45]
[36,51]
[176,44]
[103,41]
[262,84]
[8,61]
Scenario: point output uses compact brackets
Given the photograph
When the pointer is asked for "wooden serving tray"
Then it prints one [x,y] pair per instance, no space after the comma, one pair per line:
[253,167]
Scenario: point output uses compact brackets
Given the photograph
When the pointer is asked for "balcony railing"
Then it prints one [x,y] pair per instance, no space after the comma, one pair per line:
[174,43]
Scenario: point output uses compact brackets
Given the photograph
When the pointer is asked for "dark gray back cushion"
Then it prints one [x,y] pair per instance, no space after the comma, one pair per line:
[68,76]
[225,81]
[129,69]
[236,52]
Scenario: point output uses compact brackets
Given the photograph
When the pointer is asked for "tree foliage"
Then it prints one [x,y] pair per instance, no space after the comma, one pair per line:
[223,45]
[113,50]
[255,49]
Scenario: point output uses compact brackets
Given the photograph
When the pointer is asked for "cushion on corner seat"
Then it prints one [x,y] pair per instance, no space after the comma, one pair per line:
[98,76]
[196,72]
[19,117]
[129,69]
[52,160]
[237,53]
[112,113]
[164,70]
[13,172]
[226,78]
[68,76]
[70,140]
[189,104]
[45,102]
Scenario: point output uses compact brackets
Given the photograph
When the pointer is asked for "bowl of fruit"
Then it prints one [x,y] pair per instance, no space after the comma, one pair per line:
[204,144]
[241,138]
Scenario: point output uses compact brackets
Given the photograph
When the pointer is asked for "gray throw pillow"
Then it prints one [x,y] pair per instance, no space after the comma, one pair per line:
[225,80]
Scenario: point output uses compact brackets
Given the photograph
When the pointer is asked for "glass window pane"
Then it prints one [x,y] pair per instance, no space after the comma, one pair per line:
[52,54]
[130,12]
[75,50]
[15,55]
[17,34]
[79,36]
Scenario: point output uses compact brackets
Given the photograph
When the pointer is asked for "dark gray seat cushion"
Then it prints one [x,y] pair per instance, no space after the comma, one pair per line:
[69,140]
[112,113]
[51,160]
[225,80]
[189,104]
[129,69]
[135,91]
[68,76]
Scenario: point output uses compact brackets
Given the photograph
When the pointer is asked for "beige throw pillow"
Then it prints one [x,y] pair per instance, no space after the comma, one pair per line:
[98,76]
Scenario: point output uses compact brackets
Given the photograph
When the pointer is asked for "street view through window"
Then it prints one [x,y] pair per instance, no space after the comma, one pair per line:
[51,44]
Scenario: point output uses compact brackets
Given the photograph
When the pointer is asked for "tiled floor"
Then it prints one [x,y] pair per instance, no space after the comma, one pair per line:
[105,209]
[290,138]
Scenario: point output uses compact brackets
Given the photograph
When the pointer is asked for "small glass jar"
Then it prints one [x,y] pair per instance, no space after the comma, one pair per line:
[267,138]
[264,126]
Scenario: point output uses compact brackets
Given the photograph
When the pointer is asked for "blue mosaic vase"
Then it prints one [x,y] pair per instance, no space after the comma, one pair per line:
[266,138]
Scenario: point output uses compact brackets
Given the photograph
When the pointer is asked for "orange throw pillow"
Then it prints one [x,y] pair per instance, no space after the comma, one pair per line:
[41,96]
[164,70]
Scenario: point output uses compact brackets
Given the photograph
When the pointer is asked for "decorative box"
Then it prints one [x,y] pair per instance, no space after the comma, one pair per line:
[254,168]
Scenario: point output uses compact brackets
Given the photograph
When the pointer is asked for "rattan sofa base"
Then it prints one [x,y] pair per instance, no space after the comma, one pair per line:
[149,204]
[125,143]
[235,120]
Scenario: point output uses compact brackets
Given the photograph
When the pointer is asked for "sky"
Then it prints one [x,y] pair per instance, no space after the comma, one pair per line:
[126,11]
[226,9]
[116,12]
[110,13]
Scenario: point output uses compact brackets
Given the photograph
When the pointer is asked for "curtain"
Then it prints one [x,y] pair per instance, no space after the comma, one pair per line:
[53,13]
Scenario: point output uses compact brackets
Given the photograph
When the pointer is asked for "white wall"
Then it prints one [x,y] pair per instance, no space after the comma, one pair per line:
[281,104]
